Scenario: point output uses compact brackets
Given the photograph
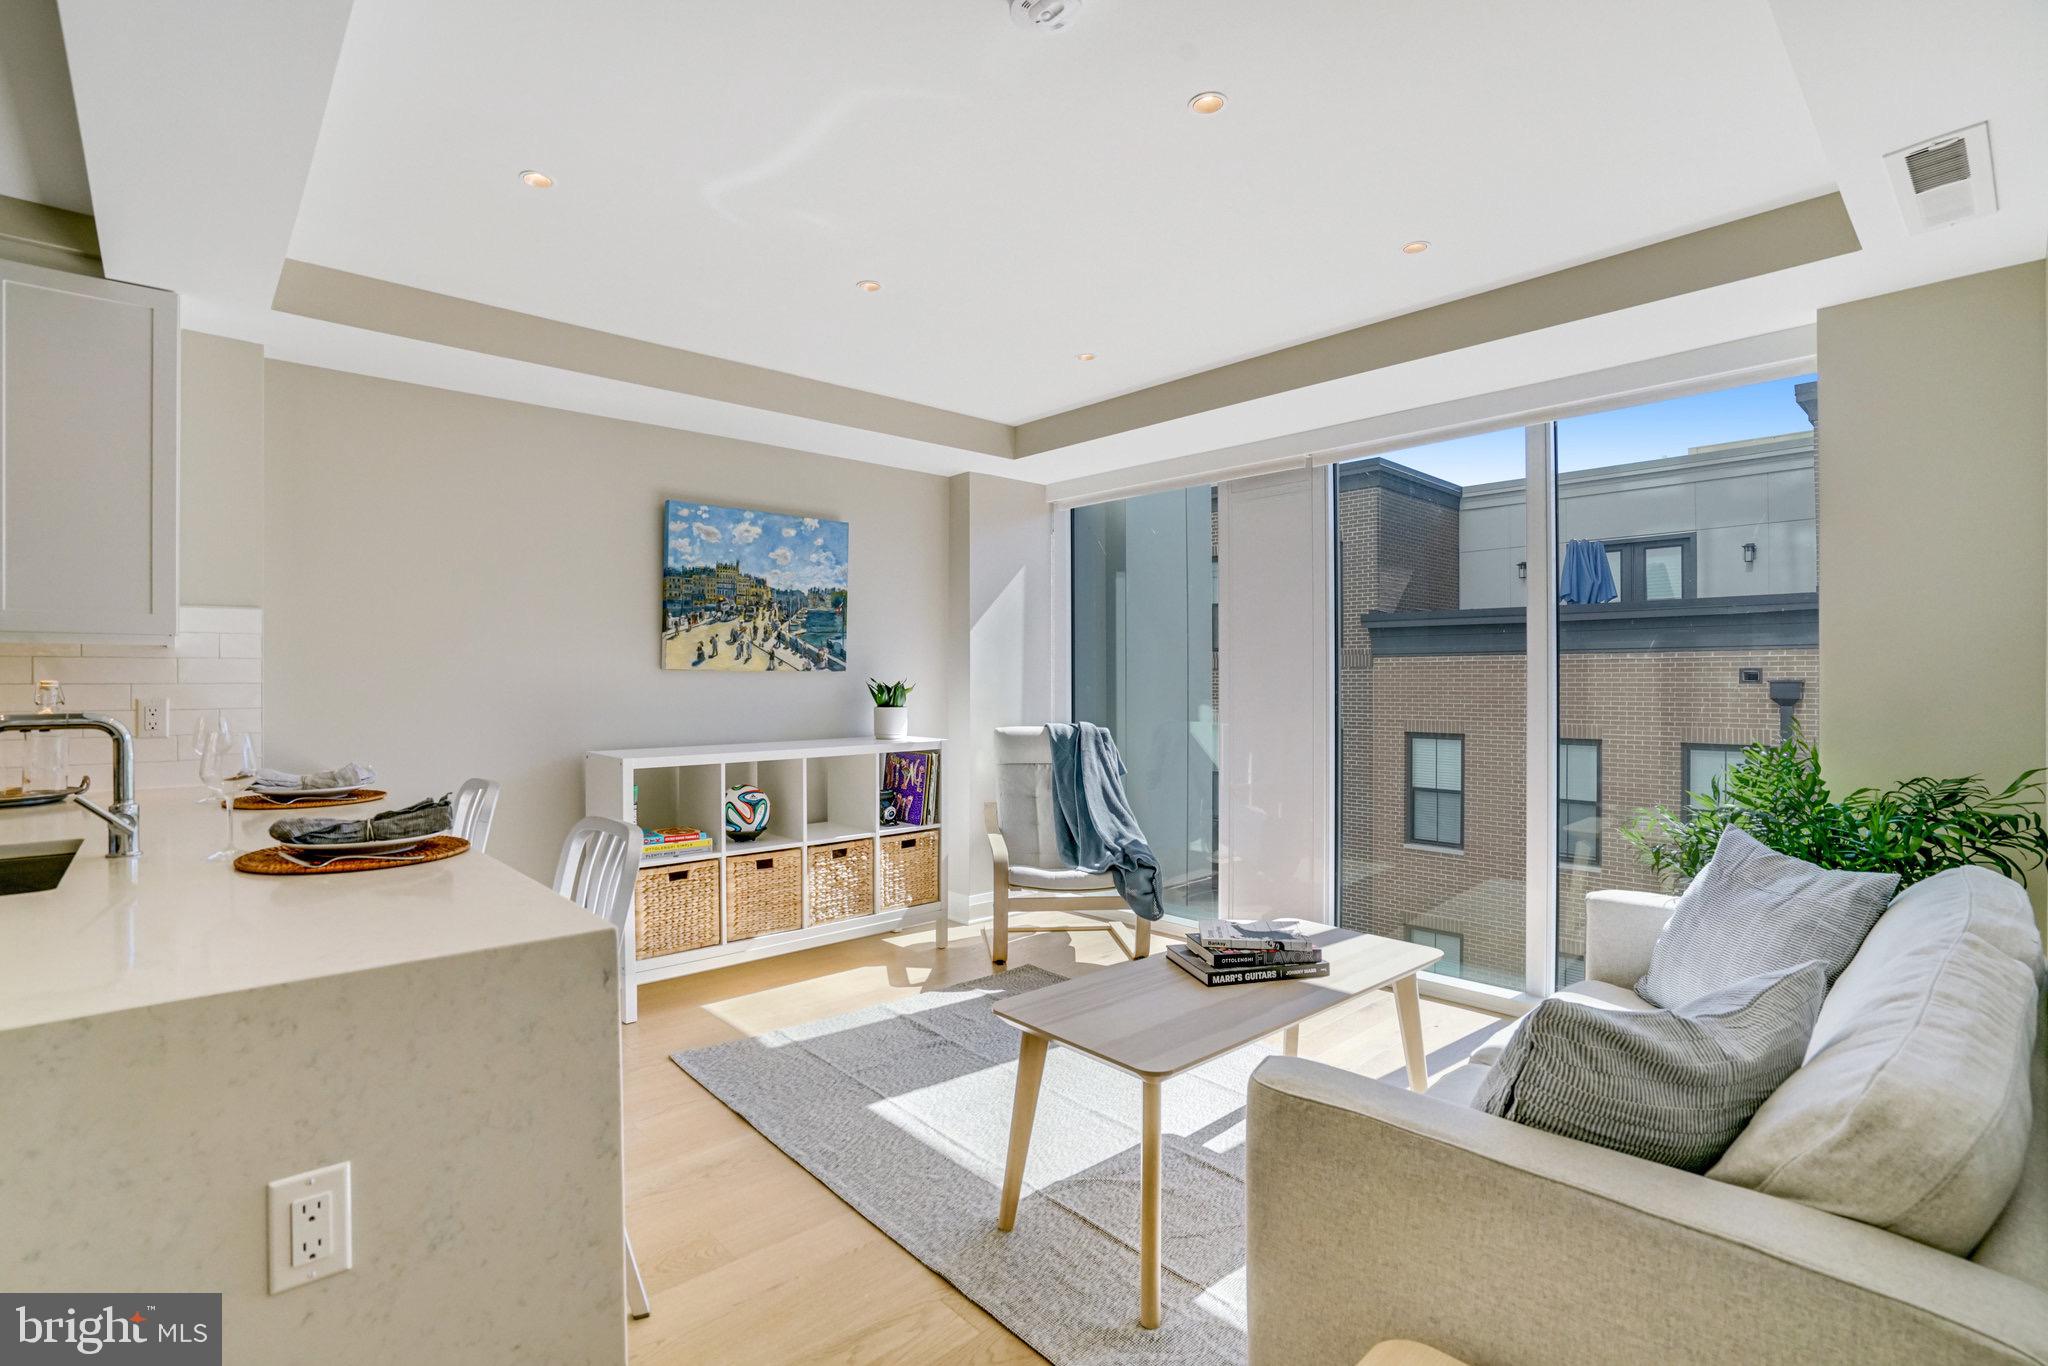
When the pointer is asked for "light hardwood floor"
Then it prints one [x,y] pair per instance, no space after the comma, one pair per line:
[748,1258]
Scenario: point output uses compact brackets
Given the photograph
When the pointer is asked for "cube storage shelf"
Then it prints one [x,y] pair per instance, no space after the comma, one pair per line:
[824,869]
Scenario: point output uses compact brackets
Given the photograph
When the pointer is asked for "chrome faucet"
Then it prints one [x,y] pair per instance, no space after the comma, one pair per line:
[124,821]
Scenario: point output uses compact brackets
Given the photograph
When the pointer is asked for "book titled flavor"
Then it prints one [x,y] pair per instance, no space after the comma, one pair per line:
[1223,977]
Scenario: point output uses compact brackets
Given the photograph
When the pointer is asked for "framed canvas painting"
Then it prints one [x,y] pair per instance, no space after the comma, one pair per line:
[751,592]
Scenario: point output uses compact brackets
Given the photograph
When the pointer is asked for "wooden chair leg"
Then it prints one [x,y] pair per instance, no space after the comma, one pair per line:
[636,1289]
[1144,937]
[999,953]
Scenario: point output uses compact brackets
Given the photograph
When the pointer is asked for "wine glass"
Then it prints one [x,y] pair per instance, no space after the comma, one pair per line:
[204,723]
[227,765]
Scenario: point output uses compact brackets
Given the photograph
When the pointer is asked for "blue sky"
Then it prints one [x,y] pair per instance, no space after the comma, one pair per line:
[1649,431]
[789,552]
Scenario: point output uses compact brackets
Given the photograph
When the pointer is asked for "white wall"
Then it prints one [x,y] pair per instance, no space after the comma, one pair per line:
[459,585]
[220,471]
[1002,608]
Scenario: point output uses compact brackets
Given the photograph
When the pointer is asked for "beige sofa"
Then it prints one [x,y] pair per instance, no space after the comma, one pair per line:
[1377,1213]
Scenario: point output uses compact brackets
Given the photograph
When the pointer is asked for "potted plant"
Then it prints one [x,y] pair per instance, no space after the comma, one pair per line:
[1916,829]
[892,715]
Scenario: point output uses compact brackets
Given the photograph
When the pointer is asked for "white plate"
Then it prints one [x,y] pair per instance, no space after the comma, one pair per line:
[287,793]
[360,846]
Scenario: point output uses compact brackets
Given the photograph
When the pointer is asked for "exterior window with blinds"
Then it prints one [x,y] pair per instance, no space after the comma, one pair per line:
[1578,803]
[1706,765]
[1436,790]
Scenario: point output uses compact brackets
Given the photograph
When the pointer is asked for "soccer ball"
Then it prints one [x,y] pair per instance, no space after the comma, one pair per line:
[746,812]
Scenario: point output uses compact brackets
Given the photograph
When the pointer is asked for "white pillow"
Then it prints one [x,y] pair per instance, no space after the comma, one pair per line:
[1913,1110]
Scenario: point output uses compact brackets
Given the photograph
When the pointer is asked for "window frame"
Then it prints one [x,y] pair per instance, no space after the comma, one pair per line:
[1599,805]
[1408,744]
[1630,584]
[1685,752]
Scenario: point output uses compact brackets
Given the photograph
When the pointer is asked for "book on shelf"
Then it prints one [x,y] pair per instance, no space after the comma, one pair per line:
[1252,958]
[913,777]
[1223,977]
[673,839]
[1267,935]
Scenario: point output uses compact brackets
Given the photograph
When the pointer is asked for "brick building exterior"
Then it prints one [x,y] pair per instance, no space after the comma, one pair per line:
[1644,680]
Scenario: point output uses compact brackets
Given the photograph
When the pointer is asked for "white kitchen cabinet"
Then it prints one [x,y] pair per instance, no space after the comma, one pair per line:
[88,458]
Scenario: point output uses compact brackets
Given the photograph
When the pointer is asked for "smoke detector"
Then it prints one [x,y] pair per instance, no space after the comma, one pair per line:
[1944,180]
[1045,16]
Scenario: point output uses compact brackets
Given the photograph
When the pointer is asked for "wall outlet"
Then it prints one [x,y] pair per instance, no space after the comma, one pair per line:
[152,716]
[310,1227]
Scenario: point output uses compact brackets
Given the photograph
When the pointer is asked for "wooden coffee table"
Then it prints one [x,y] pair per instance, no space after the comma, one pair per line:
[1150,1019]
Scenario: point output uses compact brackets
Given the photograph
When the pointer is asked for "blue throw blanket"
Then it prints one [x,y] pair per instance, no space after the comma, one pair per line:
[1093,825]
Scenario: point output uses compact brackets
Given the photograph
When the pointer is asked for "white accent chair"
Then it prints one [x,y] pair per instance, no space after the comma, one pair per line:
[596,869]
[476,801]
[1028,873]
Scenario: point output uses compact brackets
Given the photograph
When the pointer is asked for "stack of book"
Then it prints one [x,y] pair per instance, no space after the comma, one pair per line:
[1225,952]
[673,839]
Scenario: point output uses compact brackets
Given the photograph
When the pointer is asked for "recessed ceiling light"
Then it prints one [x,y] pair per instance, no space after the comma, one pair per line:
[867,286]
[1415,248]
[1084,355]
[536,180]
[1208,102]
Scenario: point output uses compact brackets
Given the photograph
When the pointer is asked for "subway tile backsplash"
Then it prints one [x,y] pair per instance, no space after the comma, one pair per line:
[215,664]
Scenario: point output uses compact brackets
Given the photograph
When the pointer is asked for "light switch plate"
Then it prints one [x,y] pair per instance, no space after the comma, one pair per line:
[311,1227]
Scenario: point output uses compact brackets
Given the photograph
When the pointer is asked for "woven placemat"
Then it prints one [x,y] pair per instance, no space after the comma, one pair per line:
[256,801]
[273,861]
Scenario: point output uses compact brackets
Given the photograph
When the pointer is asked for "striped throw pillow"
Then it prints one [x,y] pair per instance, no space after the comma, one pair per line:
[1672,1086]
[1753,910]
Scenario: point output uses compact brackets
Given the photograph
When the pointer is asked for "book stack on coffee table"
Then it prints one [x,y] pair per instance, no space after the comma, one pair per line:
[1226,952]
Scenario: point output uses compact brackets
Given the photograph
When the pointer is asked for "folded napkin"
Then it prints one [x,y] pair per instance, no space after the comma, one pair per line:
[429,817]
[348,775]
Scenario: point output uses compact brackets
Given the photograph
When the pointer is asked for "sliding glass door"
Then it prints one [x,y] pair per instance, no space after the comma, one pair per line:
[1432,729]
[1144,665]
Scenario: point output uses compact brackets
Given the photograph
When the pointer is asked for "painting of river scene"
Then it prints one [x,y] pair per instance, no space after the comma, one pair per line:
[752,592]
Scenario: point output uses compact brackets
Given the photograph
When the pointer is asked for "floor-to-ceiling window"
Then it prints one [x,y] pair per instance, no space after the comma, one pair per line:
[1432,721]
[1144,665]
[1682,627]
[1705,642]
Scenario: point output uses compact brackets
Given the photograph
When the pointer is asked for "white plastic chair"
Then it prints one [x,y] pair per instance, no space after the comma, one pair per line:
[1028,873]
[476,801]
[599,859]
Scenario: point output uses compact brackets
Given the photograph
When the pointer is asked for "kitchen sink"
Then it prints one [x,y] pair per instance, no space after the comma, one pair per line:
[35,867]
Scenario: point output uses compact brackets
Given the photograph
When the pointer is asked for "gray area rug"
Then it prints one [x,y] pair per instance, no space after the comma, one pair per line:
[903,1109]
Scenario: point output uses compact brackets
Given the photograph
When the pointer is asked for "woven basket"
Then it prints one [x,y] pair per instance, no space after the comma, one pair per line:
[675,907]
[910,870]
[765,893]
[842,880]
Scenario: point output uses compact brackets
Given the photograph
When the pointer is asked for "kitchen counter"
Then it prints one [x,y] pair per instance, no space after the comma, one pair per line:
[169,926]
[175,1035]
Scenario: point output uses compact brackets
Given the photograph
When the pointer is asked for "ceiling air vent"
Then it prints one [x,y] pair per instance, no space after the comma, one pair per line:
[1944,180]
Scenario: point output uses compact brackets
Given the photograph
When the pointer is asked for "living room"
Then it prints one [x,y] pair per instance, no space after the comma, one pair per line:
[1412,682]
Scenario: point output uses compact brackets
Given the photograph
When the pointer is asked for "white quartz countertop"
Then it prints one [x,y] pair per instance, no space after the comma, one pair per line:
[117,934]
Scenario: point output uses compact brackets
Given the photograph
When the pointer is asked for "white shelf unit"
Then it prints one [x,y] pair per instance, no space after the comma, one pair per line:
[819,791]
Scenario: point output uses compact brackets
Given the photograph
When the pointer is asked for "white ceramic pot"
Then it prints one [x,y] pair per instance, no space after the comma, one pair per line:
[892,723]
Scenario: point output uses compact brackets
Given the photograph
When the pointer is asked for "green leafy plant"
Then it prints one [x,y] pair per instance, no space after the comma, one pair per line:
[1916,829]
[889,694]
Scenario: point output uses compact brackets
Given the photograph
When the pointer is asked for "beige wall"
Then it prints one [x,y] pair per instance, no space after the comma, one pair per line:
[1933,543]
[220,475]
[458,585]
